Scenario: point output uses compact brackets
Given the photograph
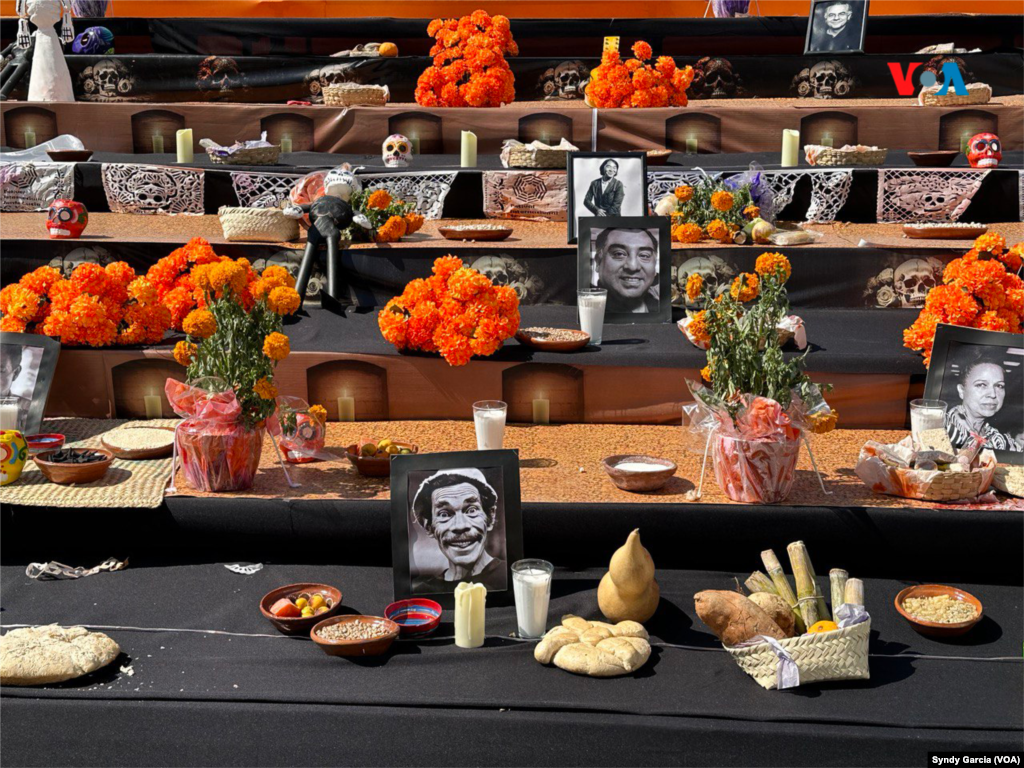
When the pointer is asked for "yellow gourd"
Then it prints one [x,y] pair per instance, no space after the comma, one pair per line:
[628,592]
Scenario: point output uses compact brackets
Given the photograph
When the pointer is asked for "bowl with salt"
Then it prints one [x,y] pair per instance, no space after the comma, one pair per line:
[638,473]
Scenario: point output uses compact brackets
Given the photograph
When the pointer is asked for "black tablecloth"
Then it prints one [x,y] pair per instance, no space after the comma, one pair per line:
[923,694]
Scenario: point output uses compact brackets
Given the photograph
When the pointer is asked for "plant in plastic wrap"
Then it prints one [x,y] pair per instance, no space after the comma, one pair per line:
[234,343]
[303,430]
[756,405]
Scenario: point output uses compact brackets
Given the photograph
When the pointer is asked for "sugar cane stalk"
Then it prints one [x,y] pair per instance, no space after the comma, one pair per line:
[774,568]
[812,606]
[837,580]
[758,582]
[854,592]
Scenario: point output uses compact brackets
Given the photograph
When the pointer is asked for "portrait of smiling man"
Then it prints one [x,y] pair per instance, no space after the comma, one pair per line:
[459,511]
[626,265]
[837,26]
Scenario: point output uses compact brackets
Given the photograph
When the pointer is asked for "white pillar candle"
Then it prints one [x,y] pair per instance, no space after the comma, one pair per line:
[826,140]
[691,146]
[468,149]
[415,139]
[346,409]
[183,139]
[541,411]
[470,601]
[8,415]
[154,407]
[30,138]
[158,144]
[790,148]
[286,143]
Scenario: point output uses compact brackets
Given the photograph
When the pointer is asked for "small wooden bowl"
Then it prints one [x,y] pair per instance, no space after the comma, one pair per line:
[74,474]
[944,233]
[935,628]
[465,233]
[539,342]
[374,647]
[43,442]
[415,617]
[940,159]
[658,156]
[372,466]
[69,155]
[140,454]
[299,625]
[638,481]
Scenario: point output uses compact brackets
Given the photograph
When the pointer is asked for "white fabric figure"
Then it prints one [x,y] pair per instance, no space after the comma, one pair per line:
[50,79]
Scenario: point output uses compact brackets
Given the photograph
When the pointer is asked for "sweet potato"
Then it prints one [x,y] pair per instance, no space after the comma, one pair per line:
[285,609]
[734,618]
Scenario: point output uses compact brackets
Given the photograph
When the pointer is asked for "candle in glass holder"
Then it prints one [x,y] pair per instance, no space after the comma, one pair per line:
[415,140]
[154,407]
[826,140]
[158,144]
[470,601]
[790,148]
[183,141]
[30,138]
[926,416]
[541,411]
[286,144]
[691,146]
[489,420]
[8,413]
[965,141]
[346,408]
[468,149]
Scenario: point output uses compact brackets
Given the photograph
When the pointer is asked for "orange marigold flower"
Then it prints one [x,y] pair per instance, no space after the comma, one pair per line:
[698,327]
[392,230]
[276,346]
[318,414]
[283,300]
[1012,259]
[276,275]
[120,272]
[142,291]
[773,264]
[990,242]
[90,278]
[11,324]
[18,301]
[722,200]
[705,373]
[379,199]
[40,280]
[184,352]
[694,285]
[687,233]
[265,389]
[445,266]
[951,305]
[413,222]
[228,278]
[200,324]
[466,283]
[823,422]
[745,287]
[751,212]
[642,50]
[684,193]
[717,230]
[991,321]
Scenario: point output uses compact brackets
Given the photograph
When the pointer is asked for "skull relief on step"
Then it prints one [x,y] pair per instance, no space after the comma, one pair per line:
[396,151]
[913,279]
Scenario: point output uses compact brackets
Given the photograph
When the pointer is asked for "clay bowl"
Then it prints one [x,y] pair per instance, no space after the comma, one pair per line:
[415,617]
[374,647]
[934,628]
[140,454]
[940,159]
[302,624]
[73,474]
[944,233]
[638,481]
[658,156]
[43,442]
[468,233]
[536,338]
[374,467]
[69,155]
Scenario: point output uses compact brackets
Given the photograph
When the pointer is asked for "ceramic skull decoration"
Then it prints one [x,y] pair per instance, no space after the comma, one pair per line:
[396,151]
[984,151]
[341,182]
[66,219]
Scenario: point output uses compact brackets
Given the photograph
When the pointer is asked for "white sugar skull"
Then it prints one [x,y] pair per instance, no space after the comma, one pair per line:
[396,151]
[341,182]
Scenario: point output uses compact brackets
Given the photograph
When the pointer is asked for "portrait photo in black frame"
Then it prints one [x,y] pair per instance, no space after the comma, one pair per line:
[631,258]
[455,517]
[604,184]
[27,364]
[836,27]
[980,376]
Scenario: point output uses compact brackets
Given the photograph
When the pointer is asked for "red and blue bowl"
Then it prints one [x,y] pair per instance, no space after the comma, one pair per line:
[415,617]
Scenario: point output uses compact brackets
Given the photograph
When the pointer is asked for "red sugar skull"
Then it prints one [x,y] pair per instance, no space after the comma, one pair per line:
[984,151]
[66,219]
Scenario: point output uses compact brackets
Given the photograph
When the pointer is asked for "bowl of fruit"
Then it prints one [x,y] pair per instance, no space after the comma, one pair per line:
[296,608]
[374,459]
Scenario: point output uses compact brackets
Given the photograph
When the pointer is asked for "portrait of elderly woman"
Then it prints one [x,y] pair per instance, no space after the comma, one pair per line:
[457,530]
[603,184]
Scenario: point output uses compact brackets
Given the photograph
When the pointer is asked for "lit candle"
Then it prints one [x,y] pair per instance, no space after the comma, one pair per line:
[158,144]
[790,148]
[183,139]
[964,141]
[468,149]
[541,411]
[30,138]
[470,600]
[691,146]
[346,409]
[415,139]
[286,143]
[154,407]
[826,139]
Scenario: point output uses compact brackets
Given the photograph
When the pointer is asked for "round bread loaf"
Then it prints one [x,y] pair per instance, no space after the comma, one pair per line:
[52,654]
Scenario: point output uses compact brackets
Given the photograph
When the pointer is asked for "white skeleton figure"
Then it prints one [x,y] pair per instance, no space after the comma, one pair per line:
[715,272]
[914,278]
[85,255]
[396,151]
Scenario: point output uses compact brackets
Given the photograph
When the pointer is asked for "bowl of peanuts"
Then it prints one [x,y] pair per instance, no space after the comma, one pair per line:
[354,635]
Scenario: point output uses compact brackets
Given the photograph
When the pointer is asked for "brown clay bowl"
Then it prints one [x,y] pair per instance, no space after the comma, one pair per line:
[140,454]
[372,466]
[533,337]
[658,156]
[944,233]
[466,233]
[934,628]
[638,481]
[940,159]
[69,155]
[74,474]
[374,647]
[301,624]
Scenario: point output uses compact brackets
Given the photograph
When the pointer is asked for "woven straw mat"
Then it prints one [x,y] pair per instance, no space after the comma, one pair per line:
[127,483]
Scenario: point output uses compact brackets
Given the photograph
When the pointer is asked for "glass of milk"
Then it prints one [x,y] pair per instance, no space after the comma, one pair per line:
[531,582]
[489,418]
[926,415]
[591,303]
[9,413]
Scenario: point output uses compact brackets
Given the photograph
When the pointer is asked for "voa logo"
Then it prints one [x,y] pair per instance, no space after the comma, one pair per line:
[950,76]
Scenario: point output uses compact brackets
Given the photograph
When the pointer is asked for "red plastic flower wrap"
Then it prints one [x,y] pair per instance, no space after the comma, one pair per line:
[636,84]
[469,68]
[457,312]
[980,290]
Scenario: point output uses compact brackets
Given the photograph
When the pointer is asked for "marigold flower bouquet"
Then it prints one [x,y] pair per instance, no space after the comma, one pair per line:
[635,84]
[469,67]
[979,290]
[386,220]
[456,311]
[234,343]
[711,210]
[171,276]
[756,404]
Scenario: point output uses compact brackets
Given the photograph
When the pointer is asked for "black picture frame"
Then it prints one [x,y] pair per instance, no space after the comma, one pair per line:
[417,469]
[816,26]
[952,348]
[574,175]
[43,362]
[590,228]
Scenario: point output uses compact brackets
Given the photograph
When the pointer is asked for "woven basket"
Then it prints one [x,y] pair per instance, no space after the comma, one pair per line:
[355,95]
[832,157]
[949,486]
[521,157]
[821,657]
[250,156]
[977,93]
[1009,479]
[260,225]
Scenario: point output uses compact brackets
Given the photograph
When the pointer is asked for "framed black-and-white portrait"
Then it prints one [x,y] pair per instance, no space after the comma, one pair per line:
[630,257]
[836,26]
[455,517]
[27,363]
[605,184]
[980,376]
